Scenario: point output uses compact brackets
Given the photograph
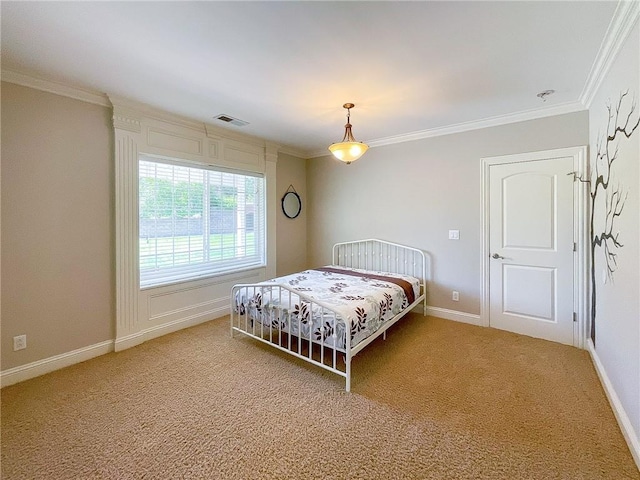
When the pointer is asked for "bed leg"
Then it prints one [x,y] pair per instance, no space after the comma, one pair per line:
[384,335]
[347,385]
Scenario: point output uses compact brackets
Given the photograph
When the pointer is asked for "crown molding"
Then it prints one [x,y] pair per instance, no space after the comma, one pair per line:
[294,152]
[317,154]
[623,21]
[484,123]
[57,88]
[126,120]
[127,105]
[214,131]
[473,125]
[139,109]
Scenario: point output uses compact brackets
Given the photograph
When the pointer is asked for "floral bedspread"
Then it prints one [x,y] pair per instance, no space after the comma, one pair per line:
[363,299]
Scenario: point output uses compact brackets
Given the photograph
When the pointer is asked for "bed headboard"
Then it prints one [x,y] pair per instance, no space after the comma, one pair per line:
[373,254]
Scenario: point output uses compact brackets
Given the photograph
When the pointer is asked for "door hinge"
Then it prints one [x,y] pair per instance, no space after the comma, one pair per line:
[574,246]
[575,317]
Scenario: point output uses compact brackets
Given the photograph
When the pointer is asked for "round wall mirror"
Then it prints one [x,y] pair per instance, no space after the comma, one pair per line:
[291,204]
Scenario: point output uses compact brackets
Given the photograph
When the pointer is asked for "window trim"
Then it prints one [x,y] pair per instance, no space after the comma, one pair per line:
[141,128]
[188,273]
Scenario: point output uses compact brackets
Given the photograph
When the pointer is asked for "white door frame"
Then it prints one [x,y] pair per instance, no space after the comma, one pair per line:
[580,233]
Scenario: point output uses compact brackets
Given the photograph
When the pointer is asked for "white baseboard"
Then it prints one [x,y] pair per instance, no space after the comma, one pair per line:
[630,435]
[46,365]
[142,336]
[454,315]
[185,322]
[128,341]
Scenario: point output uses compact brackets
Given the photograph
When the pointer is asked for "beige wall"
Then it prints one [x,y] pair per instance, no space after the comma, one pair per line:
[57,249]
[57,241]
[413,193]
[291,232]
[57,226]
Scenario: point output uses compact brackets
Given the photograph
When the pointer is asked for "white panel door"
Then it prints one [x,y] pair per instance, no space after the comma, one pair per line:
[531,248]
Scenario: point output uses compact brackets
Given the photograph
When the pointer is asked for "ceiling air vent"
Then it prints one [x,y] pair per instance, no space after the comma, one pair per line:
[233,121]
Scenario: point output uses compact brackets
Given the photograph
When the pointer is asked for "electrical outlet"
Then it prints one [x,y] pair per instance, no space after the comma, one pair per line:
[454,234]
[455,296]
[19,342]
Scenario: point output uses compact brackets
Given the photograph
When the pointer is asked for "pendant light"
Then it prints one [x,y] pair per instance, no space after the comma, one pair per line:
[348,150]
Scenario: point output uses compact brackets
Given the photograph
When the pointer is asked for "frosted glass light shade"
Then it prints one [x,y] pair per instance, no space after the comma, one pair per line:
[348,152]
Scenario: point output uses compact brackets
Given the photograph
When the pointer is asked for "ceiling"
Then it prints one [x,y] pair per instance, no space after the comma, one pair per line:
[288,67]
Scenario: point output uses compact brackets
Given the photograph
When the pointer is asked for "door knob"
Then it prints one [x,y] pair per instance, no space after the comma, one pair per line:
[496,256]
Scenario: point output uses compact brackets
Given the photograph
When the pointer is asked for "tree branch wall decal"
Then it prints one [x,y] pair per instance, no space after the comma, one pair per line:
[608,196]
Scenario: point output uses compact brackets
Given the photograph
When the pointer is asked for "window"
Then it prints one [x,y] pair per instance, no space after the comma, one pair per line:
[197,221]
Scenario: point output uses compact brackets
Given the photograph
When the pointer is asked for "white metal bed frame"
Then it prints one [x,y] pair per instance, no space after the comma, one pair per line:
[370,254]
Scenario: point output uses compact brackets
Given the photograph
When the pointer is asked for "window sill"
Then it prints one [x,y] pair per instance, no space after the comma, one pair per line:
[203,276]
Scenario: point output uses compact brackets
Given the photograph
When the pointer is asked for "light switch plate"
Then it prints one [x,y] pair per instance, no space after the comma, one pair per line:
[454,234]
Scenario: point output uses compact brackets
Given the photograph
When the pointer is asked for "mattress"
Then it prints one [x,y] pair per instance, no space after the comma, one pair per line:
[362,299]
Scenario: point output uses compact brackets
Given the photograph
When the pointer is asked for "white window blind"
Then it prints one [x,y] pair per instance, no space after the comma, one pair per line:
[197,221]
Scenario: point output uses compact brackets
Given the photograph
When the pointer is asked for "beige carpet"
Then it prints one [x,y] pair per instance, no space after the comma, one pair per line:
[436,400]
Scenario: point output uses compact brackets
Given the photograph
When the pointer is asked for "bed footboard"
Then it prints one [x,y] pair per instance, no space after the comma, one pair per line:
[309,329]
[284,318]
